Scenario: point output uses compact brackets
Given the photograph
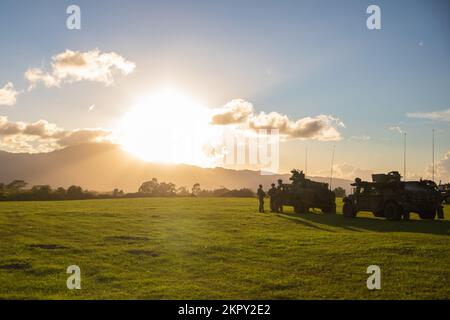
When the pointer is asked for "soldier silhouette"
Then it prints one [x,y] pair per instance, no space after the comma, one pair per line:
[279,196]
[261,194]
[273,195]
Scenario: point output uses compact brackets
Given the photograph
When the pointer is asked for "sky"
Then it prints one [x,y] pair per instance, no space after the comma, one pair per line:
[312,69]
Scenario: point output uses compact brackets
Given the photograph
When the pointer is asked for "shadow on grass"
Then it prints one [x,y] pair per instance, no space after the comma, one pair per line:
[438,227]
[295,218]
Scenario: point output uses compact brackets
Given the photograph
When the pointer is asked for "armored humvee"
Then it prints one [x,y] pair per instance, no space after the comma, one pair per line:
[303,194]
[387,196]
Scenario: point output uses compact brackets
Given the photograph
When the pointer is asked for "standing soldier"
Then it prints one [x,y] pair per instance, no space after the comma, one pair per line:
[279,196]
[261,194]
[273,198]
[440,212]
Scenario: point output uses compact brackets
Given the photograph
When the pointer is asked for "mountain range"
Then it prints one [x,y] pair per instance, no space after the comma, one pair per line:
[103,167]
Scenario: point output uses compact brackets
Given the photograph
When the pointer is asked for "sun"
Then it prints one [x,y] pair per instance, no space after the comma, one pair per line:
[168,127]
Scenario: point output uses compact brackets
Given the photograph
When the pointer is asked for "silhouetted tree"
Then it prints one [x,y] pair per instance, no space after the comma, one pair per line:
[74,192]
[41,192]
[183,192]
[196,189]
[241,193]
[154,189]
[224,192]
[166,189]
[117,192]
[60,194]
[149,187]
[220,192]
[16,185]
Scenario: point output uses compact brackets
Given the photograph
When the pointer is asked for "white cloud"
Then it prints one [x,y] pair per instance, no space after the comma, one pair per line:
[441,169]
[40,128]
[235,111]
[396,129]
[360,138]
[443,115]
[42,136]
[28,144]
[36,75]
[238,111]
[73,66]
[80,136]
[8,95]
[348,171]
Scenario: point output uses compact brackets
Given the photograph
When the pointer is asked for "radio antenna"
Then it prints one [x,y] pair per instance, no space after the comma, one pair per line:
[432,155]
[306,162]
[332,164]
[404,156]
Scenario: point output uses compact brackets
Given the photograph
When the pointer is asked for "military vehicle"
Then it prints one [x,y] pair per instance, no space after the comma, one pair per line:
[387,196]
[303,194]
[445,191]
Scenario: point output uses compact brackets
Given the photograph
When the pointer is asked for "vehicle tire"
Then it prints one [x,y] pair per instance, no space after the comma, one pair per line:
[331,209]
[392,211]
[440,212]
[348,210]
[299,208]
[427,214]
[378,214]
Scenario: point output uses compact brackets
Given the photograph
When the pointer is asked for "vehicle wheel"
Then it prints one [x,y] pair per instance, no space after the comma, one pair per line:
[440,212]
[428,214]
[348,210]
[392,211]
[378,214]
[299,208]
[330,209]
[333,208]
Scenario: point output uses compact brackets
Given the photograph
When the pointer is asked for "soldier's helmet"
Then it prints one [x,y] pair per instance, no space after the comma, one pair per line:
[280,181]
[260,185]
[273,184]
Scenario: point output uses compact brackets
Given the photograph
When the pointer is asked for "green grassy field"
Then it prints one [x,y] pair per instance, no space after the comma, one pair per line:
[188,248]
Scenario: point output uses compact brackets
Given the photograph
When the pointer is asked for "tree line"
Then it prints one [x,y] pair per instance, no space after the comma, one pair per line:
[18,190]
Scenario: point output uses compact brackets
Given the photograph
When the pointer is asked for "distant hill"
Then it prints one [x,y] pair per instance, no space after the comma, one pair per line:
[103,167]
